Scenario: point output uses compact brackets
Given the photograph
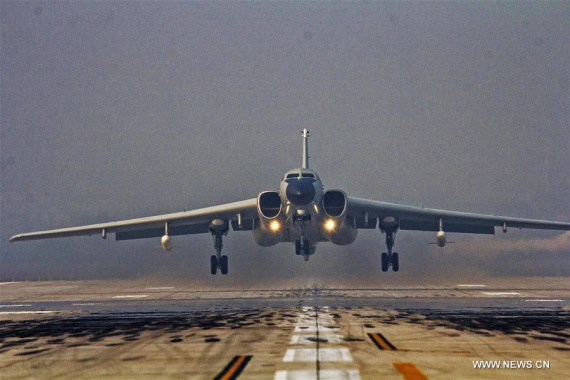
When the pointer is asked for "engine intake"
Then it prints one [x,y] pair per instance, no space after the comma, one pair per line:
[268,228]
[339,229]
[334,203]
[269,204]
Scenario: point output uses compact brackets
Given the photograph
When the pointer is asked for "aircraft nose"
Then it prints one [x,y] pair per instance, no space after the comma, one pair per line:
[300,192]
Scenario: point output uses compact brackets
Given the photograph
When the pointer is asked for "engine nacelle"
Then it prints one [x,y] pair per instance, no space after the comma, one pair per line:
[166,243]
[267,230]
[338,229]
[441,239]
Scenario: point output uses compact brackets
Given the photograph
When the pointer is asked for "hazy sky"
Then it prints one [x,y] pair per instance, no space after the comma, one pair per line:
[114,110]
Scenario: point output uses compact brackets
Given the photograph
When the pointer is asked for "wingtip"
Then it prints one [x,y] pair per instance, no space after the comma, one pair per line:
[14,238]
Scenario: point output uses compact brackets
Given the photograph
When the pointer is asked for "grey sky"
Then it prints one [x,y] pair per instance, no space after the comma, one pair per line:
[113,110]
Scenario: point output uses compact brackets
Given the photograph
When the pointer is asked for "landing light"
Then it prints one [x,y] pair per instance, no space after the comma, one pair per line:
[330,225]
[275,226]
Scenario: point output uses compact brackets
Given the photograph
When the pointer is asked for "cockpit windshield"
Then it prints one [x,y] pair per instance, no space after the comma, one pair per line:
[308,175]
[293,175]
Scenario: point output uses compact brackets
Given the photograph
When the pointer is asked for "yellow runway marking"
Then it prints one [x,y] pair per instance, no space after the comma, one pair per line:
[381,342]
[410,371]
[234,368]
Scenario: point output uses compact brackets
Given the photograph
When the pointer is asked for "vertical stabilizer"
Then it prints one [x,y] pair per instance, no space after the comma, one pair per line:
[305,134]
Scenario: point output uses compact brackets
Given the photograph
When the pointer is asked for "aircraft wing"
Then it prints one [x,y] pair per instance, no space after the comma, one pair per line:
[179,223]
[427,219]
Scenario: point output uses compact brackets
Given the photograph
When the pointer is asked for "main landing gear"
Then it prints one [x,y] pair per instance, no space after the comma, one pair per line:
[218,261]
[389,258]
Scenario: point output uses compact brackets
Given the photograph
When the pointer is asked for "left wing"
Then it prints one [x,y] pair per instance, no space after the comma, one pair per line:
[179,223]
[426,219]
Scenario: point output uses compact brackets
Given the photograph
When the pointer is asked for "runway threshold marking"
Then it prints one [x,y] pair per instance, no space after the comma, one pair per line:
[410,371]
[381,342]
[234,368]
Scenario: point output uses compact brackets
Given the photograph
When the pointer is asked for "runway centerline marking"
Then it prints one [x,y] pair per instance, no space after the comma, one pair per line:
[336,374]
[381,342]
[27,312]
[410,371]
[312,339]
[544,300]
[234,368]
[322,354]
[501,293]
[132,296]
[313,329]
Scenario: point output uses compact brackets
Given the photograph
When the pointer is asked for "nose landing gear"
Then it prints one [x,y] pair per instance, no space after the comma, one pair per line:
[302,246]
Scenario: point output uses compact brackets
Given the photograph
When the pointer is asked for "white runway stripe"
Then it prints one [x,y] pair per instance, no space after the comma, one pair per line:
[471,286]
[133,296]
[26,312]
[501,293]
[312,339]
[161,288]
[327,374]
[325,355]
[313,328]
[20,305]
[549,300]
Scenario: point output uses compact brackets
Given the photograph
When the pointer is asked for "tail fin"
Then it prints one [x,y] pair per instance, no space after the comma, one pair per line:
[305,134]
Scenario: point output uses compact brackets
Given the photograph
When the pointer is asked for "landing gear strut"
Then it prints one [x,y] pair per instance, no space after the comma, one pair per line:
[218,229]
[389,258]
[302,246]
[218,261]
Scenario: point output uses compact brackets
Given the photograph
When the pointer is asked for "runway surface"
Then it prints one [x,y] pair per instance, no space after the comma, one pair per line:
[129,329]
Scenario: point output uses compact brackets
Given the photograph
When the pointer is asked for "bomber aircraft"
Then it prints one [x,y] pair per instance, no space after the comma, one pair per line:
[301,212]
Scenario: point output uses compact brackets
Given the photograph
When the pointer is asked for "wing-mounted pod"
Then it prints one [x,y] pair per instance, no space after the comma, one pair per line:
[338,227]
[268,228]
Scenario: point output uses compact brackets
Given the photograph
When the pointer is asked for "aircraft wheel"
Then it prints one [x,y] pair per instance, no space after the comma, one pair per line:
[224,264]
[213,264]
[395,262]
[297,247]
[384,262]
[306,248]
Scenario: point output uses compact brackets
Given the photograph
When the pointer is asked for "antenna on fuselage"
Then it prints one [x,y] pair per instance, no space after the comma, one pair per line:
[305,134]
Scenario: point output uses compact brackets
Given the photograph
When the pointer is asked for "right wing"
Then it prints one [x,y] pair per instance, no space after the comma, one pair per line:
[426,219]
[179,223]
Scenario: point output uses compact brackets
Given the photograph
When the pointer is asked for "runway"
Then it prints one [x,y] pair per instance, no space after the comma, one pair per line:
[117,329]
